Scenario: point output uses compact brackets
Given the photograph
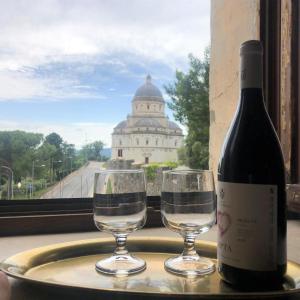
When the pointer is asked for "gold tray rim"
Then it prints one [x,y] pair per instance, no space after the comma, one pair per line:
[205,246]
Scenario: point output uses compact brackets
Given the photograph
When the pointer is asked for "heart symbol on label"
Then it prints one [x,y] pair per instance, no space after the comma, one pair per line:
[224,222]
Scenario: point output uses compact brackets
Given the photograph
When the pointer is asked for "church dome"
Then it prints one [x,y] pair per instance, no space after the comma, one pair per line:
[174,126]
[147,122]
[121,125]
[148,91]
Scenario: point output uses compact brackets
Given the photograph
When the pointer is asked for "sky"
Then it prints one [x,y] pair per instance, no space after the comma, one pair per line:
[72,67]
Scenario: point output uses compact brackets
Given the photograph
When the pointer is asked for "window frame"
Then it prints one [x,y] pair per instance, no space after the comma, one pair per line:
[281,77]
[295,93]
[120,152]
[282,84]
[23,217]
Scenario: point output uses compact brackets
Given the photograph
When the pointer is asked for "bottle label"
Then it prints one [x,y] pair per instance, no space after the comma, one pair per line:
[247,225]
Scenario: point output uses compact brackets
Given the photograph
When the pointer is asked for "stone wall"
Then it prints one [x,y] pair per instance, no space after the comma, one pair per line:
[148,108]
[158,147]
[232,22]
[153,184]
[120,164]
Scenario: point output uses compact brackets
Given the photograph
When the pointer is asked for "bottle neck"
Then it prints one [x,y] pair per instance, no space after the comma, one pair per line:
[251,82]
[252,94]
[251,102]
[251,71]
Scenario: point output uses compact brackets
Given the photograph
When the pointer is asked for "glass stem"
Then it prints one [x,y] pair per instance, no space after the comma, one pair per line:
[121,244]
[189,246]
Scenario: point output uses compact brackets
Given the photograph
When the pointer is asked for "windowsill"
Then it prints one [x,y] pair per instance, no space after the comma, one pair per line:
[26,217]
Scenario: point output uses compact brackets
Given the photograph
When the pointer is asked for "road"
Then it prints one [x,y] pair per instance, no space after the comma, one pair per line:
[77,184]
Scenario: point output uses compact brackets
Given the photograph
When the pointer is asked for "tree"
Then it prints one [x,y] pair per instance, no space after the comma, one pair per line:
[17,150]
[48,158]
[190,103]
[68,149]
[69,153]
[97,147]
[54,139]
[43,157]
[182,156]
[93,150]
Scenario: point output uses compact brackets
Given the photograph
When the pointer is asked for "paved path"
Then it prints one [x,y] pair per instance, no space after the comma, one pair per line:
[77,184]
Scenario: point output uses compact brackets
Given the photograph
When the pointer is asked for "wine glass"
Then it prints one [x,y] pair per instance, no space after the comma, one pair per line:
[120,208]
[188,207]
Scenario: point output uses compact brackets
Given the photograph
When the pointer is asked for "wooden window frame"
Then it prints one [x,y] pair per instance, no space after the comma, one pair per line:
[276,36]
[295,93]
[44,216]
[270,35]
[280,34]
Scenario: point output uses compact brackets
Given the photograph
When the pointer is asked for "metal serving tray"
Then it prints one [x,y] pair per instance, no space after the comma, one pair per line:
[71,266]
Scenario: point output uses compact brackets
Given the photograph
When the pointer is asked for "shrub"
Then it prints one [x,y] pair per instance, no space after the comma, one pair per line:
[151,169]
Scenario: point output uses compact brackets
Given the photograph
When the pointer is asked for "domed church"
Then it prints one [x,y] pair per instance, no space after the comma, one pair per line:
[147,135]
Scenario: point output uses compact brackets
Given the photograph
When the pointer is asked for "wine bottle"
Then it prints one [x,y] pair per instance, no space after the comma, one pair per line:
[251,187]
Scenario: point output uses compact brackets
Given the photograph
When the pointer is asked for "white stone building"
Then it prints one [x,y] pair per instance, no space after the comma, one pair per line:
[147,135]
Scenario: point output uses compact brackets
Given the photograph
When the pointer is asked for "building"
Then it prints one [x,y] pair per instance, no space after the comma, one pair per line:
[147,135]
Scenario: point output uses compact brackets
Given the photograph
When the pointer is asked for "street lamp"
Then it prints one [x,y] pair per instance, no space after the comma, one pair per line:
[11,194]
[32,177]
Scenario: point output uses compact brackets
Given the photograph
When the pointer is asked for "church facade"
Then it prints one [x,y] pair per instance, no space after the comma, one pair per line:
[147,135]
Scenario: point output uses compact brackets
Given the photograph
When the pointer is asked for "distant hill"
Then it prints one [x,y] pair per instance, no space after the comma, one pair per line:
[106,152]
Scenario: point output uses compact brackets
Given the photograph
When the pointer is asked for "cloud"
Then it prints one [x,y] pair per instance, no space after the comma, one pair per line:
[26,86]
[74,133]
[79,35]
[14,85]
[34,34]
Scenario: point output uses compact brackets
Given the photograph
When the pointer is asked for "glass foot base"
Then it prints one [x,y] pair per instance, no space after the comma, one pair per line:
[120,265]
[189,265]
